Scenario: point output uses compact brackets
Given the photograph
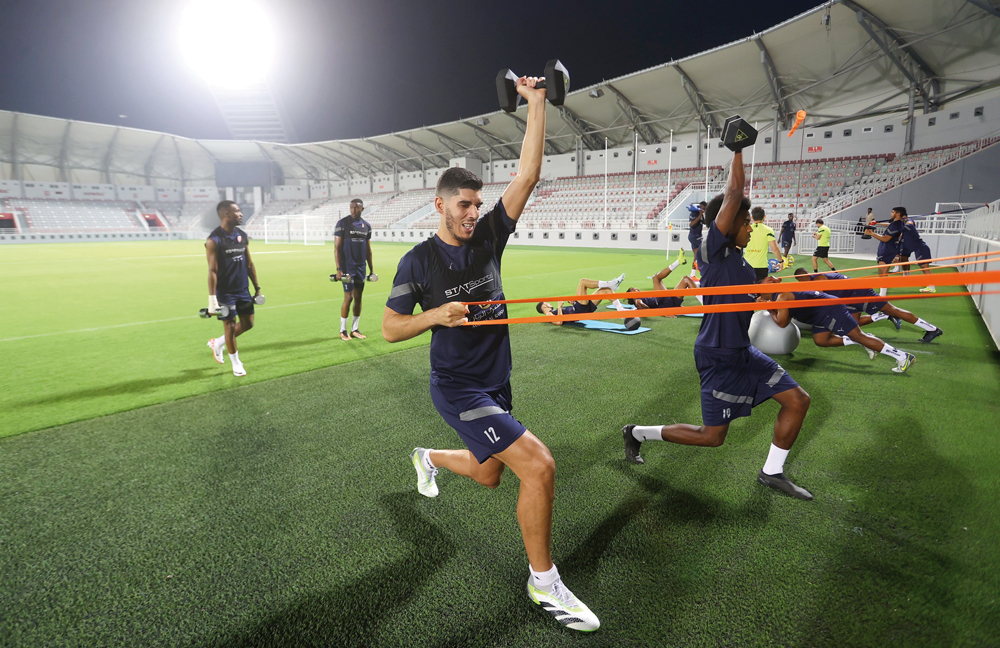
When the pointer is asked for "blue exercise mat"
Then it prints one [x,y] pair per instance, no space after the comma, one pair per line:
[627,307]
[610,327]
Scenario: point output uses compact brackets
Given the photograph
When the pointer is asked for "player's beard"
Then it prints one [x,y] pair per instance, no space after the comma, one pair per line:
[454,226]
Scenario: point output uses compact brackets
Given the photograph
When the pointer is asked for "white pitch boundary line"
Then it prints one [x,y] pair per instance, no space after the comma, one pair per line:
[172,319]
[143,258]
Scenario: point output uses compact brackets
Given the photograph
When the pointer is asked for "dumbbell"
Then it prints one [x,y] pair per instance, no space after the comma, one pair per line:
[737,134]
[556,84]
[371,277]
[223,311]
[632,323]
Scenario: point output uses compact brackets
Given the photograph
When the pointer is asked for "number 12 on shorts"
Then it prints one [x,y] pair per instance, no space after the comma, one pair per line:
[491,435]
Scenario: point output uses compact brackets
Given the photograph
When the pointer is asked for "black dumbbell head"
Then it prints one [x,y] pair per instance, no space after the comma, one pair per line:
[556,82]
[737,134]
[507,90]
[632,323]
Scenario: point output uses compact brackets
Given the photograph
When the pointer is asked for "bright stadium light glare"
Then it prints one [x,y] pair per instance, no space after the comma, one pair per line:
[228,42]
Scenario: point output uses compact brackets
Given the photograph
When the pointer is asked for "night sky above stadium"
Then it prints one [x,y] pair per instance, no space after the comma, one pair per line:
[344,69]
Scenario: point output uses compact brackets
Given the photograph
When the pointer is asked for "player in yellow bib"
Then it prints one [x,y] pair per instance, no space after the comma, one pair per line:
[822,236]
[761,238]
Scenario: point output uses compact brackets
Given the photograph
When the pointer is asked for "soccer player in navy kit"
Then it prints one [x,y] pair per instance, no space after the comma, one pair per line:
[664,302]
[695,235]
[910,242]
[735,376]
[788,234]
[229,267]
[833,326]
[352,241]
[875,310]
[471,365]
[888,247]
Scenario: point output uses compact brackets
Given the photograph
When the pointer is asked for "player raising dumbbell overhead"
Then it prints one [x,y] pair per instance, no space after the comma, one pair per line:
[353,247]
[229,268]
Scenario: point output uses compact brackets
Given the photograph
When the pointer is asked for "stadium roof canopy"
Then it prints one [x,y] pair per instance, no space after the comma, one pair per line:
[842,60]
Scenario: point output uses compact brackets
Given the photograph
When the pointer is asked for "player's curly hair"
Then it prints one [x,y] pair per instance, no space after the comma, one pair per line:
[715,205]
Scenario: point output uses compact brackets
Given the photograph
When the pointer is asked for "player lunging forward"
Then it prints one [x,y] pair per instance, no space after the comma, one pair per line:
[229,267]
[735,376]
[471,365]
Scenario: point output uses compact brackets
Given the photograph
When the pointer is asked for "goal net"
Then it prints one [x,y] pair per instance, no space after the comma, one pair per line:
[295,228]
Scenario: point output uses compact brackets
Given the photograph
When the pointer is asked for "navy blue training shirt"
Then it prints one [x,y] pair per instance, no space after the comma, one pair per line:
[230,253]
[787,230]
[464,357]
[354,236]
[909,237]
[723,265]
[893,231]
[816,315]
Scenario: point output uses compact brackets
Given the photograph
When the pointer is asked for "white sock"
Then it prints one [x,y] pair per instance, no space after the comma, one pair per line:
[618,305]
[426,459]
[354,325]
[604,284]
[235,359]
[893,353]
[648,433]
[879,316]
[848,341]
[219,341]
[693,272]
[882,292]
[544,579]
[673,266]
[924,324]
[700,299]
[775,460]
[343,324]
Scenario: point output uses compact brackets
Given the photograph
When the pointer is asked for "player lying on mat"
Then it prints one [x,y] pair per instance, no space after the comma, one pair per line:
[833,326]
[873,311]
[664,302]
[580,306]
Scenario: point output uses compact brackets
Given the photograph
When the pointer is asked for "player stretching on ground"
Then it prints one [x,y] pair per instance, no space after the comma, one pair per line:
[583,305]
[833,326]
[875,310]
[352,243]
[229,267]
[735,376]
[888,246]
[664,302]
[470,365]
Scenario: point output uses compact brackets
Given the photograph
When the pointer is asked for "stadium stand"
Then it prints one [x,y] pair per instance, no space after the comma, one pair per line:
[44,216]
[491,194]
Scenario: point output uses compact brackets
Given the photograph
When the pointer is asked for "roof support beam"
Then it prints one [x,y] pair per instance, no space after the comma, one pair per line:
[108,155]
[148,167]
[15,165]
[635,117]
[356,161]
[312,173]
[902,56]
[777,88]
[423,151]
[581,128]
[64,154]
[328,163]
[985,6]
[494,143]
[457,148]
[375,161]
[704,110]
[398,159]
[550,148]
[180,160]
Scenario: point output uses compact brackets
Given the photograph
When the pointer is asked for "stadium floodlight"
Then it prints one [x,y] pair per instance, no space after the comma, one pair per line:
[228,42]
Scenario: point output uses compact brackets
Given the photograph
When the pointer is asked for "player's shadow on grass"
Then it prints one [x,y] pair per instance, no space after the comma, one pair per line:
[352,614]
[127,387]
[891,554]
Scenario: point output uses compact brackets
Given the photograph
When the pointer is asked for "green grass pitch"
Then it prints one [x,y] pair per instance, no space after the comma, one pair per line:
[150,498]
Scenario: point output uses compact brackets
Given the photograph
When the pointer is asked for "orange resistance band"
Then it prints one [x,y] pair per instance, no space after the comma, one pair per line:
[950,279]
[719,308]
[821,285]
[910,263]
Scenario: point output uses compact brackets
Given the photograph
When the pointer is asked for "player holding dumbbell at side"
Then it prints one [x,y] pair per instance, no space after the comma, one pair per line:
[229,268]
[352,247]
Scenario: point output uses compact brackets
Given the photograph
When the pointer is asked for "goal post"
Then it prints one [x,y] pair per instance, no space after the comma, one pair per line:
[301,229]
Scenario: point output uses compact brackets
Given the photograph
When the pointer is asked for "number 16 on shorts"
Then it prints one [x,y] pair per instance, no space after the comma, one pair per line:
[491,435]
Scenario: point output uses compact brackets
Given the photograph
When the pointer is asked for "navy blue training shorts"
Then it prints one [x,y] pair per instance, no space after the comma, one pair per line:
[482,419]
[734,381]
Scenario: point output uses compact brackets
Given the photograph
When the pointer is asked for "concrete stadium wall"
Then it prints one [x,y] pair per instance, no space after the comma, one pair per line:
[988,305]
[7,239]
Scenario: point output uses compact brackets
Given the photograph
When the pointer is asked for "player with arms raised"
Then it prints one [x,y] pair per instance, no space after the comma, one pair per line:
[735,376]
[229,267]
[471,365]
